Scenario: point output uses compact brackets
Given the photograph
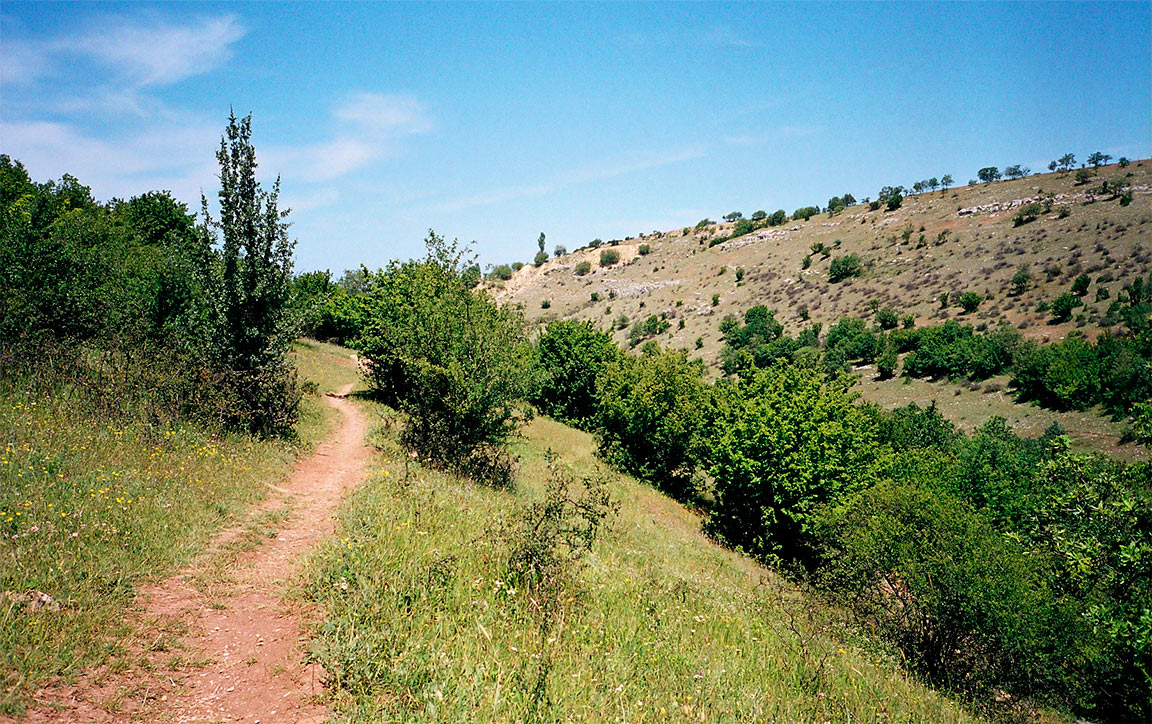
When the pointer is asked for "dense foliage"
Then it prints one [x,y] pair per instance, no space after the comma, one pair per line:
[134,306]
[444,354]
[651,416]
[570,356]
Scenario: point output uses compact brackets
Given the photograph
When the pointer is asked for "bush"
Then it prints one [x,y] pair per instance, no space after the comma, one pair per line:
[644,250]
[969,301]
[1027,214]
[569,357]
[845,267]
[540,258]
[546,304]
[448,357]
[1080,285]
[1063,305]
[886,318]
[785,441]
[651,415]
[887,361]
[583,268]
[502,271]
[608,257]
[894,201]
[931,575]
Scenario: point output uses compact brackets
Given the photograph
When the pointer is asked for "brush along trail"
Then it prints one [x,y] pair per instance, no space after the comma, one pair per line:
[238,644]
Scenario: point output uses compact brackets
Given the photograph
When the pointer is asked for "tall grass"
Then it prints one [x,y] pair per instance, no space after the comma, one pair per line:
[91,508]
[421,624]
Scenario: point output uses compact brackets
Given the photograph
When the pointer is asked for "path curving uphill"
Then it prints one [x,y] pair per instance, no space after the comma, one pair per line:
[241,643]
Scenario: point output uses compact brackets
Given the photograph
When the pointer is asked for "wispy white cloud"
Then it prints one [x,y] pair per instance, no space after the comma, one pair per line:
[366,128]
[779,133]
[176,158]
[132,56]
[586,174]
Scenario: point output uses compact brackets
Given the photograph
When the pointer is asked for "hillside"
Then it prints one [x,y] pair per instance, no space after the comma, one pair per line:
[953,241]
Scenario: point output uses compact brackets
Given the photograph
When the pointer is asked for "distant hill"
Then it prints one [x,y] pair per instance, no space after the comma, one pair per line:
[960,240]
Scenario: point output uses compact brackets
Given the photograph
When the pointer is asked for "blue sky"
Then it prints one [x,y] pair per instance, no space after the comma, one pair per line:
[494,122]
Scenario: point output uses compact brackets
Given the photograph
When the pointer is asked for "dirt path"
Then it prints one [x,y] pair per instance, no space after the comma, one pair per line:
[242,660]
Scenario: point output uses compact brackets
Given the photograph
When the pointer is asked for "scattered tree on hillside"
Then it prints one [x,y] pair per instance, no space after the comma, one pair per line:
[540,241]
[969,301]
[733,216]
[844,267]
[1021,279]
[1123,162]
[760,215]
[1066,162]
[1080,285]
[988,174]
[946,181]
[1098,159]
[1016,171]
[608,257]
[560,250]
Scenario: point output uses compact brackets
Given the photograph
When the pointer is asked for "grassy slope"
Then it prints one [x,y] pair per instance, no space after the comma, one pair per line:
[665,626]
[981,254]
[90,511]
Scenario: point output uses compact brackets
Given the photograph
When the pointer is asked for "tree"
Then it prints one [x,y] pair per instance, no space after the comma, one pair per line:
[560,251]
[540,258]
[969,301]
[583,268]
[1080,285]
[946,181]
[933,183]
[778,217]
[1021,279]
[894,201]
[733,216]
[452,360]
[835,205]
[918,187]
[570,356]
[1063,305]
[988,174]
[1123,162]
[1016,171]
[540,241]
[249,289]
[1098,159]
[608,257]
[786,441]
[760,215]
[651,414]
[844,267]
[1066,162]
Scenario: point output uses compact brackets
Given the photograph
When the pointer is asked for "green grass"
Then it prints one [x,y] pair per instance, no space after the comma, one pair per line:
[91,510]
[421,625]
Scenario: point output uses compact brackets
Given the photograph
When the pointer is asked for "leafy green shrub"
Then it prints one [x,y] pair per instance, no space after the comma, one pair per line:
[785,441]
[651,415]
[1080,285]
[644,250]
[540,258]
[969,301]
[887,361]
[1063,305]
[894,201]
[845,267]
[931,575]
[450,358]
[608,257]
[1027,214]
[850,339]
[583,268]
[502,271]
[886,318]
[545,304]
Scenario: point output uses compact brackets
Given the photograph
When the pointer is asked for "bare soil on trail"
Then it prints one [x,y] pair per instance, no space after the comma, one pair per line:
[232,654]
